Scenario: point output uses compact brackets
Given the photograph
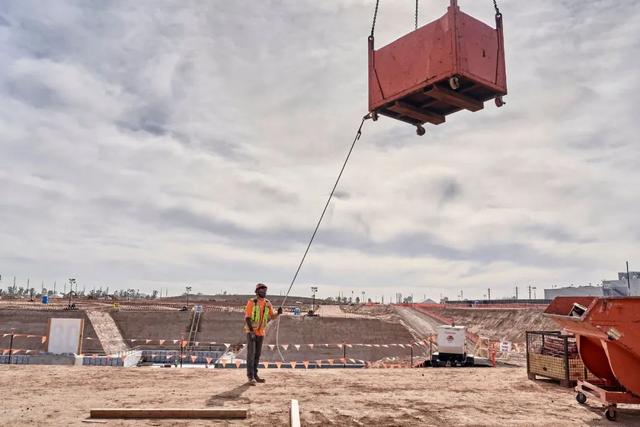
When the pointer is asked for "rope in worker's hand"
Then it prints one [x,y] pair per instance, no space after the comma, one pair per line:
[315,231]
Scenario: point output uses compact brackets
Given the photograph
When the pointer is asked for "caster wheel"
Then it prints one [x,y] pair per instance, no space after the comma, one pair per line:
[374,116]
[499,101]
[420,130]
[454,83]
[581,398]
[610,413]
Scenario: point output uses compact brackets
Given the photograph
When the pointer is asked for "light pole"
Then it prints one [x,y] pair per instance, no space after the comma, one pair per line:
[314,289]
[362,297]
[71,283]
[11,345]
[188,289]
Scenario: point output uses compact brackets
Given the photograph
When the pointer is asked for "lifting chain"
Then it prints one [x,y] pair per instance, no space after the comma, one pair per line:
[495,6]
[375,15]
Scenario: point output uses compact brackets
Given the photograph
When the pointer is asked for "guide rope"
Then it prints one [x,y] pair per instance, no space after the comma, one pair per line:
[315,231]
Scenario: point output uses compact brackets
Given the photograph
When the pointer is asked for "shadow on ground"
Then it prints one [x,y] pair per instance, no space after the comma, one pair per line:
[234,395]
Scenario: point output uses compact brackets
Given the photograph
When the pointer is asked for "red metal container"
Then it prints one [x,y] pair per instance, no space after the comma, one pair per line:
[453,63]
[607,332]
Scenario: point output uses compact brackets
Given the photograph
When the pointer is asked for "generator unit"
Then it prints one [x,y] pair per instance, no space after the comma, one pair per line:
[451,342]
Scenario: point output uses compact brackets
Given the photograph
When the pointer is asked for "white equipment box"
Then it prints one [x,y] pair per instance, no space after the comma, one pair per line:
[451,339]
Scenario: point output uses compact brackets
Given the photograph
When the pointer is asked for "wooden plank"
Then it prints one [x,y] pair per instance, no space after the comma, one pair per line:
[417,113]
[398,116]
[454,98]
[126,413]
[294,414]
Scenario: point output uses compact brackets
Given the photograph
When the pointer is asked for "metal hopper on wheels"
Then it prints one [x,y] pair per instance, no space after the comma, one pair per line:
[607,332]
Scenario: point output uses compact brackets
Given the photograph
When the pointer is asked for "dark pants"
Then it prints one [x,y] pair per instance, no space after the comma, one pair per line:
[254,348]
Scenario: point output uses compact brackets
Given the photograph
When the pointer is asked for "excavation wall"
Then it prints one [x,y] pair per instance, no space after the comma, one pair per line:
[220,327]
[333,331]
[35,322]
[509,323]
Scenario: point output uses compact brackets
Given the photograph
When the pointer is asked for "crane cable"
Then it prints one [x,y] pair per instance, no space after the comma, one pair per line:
[375,15]
[315,231]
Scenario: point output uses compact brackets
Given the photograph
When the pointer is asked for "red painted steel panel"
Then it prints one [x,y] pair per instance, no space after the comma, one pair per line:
[408,63]
[480,52]
[625,366]
[594,357]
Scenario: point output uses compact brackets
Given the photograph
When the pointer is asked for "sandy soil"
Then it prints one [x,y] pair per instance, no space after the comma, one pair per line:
[58,395]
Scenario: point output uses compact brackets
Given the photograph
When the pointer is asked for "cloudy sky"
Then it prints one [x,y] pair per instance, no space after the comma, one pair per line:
[155,144]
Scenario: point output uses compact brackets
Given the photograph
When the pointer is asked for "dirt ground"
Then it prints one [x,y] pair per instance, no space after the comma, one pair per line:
[59,395]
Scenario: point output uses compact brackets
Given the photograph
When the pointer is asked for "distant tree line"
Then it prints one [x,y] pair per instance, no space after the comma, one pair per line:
[15,291]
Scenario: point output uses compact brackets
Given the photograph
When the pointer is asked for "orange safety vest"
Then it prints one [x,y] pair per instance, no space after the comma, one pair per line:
[259,318]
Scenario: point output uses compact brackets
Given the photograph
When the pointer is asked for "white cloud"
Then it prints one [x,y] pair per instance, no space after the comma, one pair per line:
[148,144]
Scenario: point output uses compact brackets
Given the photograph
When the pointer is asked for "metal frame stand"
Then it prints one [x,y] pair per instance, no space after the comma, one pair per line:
[609,396]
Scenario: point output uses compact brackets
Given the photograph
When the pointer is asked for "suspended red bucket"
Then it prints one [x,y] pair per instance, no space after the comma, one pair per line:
[453,63]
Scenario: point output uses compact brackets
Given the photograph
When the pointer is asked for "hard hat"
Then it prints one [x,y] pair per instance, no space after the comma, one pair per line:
[261,285]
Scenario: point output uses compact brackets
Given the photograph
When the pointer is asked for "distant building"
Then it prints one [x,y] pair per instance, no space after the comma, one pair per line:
[572,291]
[620,287]
[609,288]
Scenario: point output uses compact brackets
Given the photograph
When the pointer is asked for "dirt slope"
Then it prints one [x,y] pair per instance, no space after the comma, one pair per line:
[500,323]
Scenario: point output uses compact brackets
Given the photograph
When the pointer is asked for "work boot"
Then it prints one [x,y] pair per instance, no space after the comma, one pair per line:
[251,381]
[260,380]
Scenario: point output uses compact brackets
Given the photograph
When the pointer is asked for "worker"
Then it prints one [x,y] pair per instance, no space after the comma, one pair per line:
[257,313]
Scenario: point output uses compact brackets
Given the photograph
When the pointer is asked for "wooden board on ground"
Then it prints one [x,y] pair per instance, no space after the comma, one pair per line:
[294,414]
[176,413]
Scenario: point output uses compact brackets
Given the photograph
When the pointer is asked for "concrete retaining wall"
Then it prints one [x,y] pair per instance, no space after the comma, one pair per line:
[169,356]
[16,359]
[132,359]
[39,359]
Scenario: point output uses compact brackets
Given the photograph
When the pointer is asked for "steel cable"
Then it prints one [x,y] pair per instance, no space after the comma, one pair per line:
[375,15]
[315,231]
